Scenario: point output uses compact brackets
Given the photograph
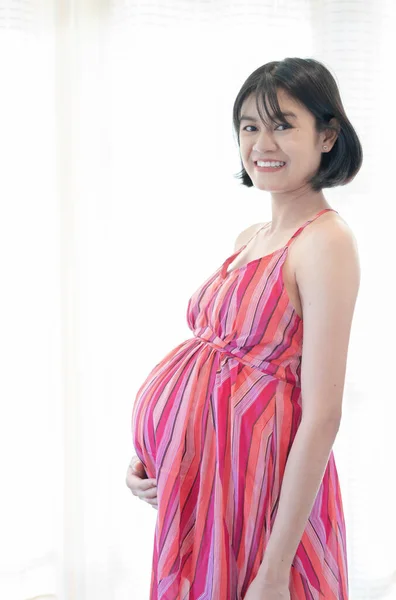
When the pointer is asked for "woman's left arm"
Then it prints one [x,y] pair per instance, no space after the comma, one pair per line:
[328,279]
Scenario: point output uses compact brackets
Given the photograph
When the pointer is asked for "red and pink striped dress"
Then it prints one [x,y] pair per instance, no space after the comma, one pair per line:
[214,422]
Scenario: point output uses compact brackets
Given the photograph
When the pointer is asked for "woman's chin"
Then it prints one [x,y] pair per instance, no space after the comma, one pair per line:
[268,187]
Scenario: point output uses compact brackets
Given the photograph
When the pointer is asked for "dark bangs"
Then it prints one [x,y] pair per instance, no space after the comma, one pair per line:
[266,97]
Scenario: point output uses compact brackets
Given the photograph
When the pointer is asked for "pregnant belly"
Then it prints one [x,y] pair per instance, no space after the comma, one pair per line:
[161,401]
[198,402]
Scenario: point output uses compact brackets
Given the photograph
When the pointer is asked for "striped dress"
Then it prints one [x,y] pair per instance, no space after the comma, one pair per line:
[214,422]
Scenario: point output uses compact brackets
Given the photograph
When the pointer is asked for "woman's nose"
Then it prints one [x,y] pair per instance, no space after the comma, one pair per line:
[264,142]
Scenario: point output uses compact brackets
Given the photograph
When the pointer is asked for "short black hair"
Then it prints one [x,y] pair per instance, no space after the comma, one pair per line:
[310,83]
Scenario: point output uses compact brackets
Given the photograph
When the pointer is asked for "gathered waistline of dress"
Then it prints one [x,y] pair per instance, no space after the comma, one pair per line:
[249,363]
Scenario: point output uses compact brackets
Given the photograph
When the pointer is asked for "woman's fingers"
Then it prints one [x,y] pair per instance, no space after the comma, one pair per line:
[140,485]
[148,488]
[137,467]
[150,496]
[143,488]
[135,473]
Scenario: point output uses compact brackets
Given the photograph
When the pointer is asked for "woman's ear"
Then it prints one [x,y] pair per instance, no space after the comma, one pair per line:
[330,134]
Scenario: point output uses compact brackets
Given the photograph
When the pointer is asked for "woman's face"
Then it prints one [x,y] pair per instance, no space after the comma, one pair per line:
[296,142]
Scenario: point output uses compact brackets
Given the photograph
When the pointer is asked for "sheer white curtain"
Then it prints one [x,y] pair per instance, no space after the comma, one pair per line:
[117,199]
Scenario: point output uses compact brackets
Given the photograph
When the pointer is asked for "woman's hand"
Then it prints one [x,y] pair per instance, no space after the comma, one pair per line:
[139,484]
[260,589]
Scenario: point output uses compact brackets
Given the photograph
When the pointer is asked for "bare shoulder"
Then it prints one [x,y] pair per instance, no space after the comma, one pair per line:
[326,249]
[246,234]
[331,233]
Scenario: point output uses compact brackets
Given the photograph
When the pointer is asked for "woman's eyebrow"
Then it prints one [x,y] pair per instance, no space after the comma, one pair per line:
[248,118]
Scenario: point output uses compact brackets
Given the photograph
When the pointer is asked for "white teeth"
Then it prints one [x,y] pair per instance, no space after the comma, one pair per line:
[270,163]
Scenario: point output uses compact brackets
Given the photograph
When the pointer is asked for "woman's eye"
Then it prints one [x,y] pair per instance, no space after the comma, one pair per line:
[285,125]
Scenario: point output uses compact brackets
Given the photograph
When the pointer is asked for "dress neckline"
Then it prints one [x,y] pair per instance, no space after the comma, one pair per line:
[223,269]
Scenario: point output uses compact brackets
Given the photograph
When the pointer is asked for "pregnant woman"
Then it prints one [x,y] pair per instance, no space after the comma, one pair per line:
[236,425]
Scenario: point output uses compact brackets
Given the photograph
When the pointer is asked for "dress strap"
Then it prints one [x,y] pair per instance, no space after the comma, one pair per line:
[254,234]
[299,230]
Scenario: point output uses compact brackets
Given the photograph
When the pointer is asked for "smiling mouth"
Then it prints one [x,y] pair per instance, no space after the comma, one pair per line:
[281,161]
[269,169]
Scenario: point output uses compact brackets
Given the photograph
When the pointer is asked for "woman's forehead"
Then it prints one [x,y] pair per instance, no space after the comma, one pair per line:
[289,107]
